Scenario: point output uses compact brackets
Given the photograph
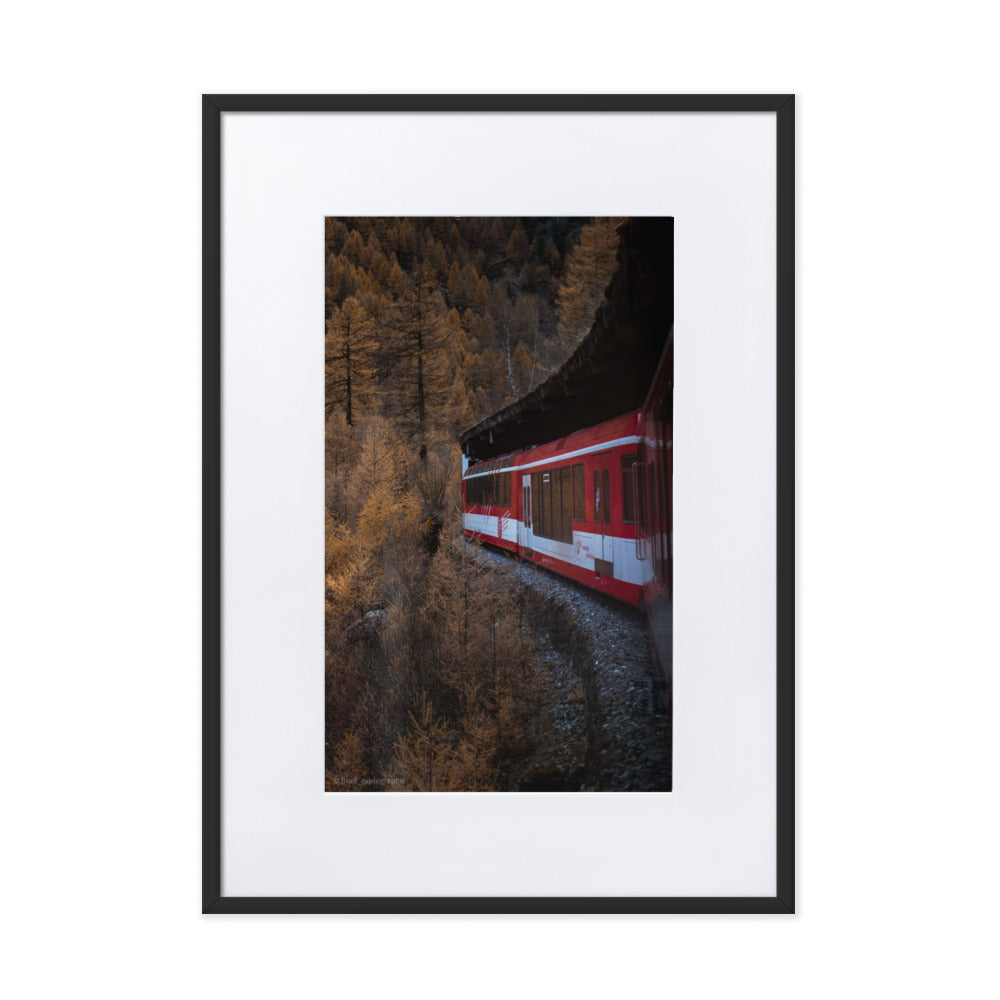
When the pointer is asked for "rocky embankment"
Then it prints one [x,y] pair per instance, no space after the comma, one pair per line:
[603,726]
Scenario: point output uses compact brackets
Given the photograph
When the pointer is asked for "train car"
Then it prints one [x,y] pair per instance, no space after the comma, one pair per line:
[572,505]
[488,511]
[594,501]
[655,489]
[595,505]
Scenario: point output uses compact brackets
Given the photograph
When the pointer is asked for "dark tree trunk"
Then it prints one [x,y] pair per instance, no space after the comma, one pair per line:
[347,350]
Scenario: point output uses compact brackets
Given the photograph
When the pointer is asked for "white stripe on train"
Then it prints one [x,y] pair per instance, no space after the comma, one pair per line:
[556,459]
[585,547]
[488,524]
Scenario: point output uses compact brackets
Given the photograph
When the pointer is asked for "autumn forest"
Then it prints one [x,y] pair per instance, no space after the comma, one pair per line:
[434,669]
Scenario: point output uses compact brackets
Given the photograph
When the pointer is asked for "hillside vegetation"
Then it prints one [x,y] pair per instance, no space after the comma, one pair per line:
[432,681]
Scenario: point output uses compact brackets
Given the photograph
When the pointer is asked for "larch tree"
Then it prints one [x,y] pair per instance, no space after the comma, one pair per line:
[525,327]
[354,247]
[372,252]
[335,235]
[455,296]
[350,347]
[381,462]
[589,267]
[341,454]
[517,245]
[416,354]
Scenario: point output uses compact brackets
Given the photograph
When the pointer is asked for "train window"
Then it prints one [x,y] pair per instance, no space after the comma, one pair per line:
[505,481]
[565,505]
[628,488]
[552,504]
[606,484]
[579,500]
[495,489]
[597,496]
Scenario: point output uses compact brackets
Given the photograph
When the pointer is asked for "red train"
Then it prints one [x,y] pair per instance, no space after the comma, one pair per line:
[595,505]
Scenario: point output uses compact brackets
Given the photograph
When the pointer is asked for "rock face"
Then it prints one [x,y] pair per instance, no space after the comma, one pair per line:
[603,726]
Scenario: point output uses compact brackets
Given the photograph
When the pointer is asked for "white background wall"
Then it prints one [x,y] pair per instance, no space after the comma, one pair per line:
[99,389]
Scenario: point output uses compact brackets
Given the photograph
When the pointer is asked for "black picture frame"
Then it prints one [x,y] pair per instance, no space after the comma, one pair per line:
[213,107]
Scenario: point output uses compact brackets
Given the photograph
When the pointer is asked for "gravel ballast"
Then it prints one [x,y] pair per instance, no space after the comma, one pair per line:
[603,726]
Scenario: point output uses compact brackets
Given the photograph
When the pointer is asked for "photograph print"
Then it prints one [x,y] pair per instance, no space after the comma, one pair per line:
[498,504]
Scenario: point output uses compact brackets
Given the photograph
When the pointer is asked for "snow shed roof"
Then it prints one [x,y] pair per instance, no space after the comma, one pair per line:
[612,369]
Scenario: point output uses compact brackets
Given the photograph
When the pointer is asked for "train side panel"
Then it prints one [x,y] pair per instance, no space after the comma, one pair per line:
[573,508]
[489,509]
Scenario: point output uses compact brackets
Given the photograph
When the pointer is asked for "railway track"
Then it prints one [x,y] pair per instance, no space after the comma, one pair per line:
[604,727]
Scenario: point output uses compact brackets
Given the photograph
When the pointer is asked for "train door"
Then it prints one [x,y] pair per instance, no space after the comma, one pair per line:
[524,528]
[605,542]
